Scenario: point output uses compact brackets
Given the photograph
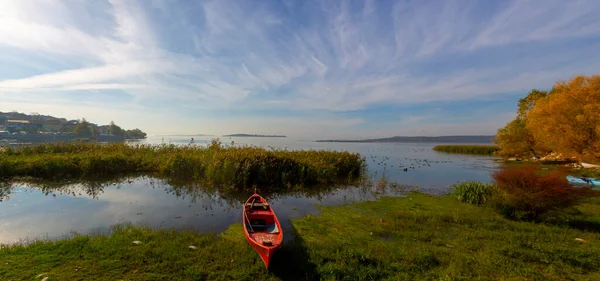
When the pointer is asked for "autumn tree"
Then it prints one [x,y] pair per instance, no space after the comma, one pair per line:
[83,129]
[568,121]
[527,103]
[515,139]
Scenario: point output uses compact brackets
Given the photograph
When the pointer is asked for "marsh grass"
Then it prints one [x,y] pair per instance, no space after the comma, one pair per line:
[418,237]
[472,192]
[468,149]
[240,167]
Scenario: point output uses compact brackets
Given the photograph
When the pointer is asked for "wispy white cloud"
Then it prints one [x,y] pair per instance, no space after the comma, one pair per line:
[305,56]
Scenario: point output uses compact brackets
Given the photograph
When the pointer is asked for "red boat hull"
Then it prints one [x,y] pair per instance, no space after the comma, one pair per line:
[261,227]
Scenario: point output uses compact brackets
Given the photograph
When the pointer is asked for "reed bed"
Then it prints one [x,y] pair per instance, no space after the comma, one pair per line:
[468,149]
[241,167]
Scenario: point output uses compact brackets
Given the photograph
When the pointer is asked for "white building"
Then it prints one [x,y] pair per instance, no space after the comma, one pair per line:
[17,125]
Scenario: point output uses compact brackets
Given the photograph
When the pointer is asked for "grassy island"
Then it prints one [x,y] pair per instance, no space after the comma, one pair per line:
[241,167]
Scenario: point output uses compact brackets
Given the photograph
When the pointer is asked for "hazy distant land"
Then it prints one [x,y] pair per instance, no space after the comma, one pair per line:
[440,139]
[255,136]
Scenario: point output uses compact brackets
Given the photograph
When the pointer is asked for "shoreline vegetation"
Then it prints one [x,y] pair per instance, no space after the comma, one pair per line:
[216,165]
[468,149]
[416,237]
[559,124]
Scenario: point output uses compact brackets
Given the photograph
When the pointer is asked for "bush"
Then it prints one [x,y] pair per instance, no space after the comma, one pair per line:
[476,193]
[528,194]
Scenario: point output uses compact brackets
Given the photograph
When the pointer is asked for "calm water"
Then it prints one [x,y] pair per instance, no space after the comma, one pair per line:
[47,211]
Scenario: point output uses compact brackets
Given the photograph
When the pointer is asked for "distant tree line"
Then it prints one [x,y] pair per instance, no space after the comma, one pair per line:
[564,119]
[85,129]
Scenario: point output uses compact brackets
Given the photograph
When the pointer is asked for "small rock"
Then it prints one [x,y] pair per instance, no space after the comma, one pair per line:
[192,247]
[580,240]
[137,242]
[231,260]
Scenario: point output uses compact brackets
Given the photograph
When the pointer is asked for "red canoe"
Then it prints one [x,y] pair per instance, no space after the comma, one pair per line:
[262,227]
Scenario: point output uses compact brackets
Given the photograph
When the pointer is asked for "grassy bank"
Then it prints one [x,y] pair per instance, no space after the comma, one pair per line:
[468,149]
[415,238]
[242,167]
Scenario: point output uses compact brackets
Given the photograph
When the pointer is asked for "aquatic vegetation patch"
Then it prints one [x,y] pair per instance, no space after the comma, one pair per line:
[468,149]
[241,167]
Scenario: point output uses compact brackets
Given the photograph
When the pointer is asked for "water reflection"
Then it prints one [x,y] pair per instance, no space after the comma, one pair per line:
[46,210]
[40,209]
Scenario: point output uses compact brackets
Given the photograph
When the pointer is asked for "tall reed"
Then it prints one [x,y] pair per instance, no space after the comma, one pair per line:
[468,149]
[242,167]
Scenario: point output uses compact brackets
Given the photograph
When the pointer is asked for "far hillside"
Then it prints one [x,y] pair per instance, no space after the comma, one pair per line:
[440,139]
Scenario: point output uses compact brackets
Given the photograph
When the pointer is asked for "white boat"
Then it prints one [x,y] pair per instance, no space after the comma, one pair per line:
[583,180]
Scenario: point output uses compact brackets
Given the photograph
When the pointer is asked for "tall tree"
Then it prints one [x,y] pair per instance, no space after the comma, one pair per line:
[515,139]
[83,129]
[568,121]
[527,103]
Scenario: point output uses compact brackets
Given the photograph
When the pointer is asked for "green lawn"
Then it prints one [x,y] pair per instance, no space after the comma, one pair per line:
[419,237]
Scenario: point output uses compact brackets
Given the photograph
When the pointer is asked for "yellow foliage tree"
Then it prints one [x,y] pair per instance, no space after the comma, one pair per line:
[515,139]
[568,120]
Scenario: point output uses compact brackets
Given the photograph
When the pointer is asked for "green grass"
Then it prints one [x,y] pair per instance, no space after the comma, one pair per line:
[468,149]
[419,237]
[472,192]
[591,173]
[241,167]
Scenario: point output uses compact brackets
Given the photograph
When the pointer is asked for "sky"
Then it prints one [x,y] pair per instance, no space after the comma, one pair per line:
[305,69]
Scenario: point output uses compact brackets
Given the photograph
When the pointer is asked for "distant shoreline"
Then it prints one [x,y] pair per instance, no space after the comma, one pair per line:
[255,136]
[179,135]
[440,139]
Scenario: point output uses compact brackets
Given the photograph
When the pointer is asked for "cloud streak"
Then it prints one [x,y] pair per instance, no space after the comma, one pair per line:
[302,56]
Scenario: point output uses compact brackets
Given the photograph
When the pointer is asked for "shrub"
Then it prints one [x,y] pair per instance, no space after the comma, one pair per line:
[528,194]
[472,192]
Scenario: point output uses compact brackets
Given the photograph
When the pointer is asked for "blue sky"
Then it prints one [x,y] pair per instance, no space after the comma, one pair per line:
[307,69]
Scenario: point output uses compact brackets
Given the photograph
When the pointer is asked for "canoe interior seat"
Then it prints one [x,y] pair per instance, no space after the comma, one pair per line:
[269,228]
[258,205]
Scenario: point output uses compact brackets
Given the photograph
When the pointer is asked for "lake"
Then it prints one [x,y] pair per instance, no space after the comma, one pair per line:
[55,210]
